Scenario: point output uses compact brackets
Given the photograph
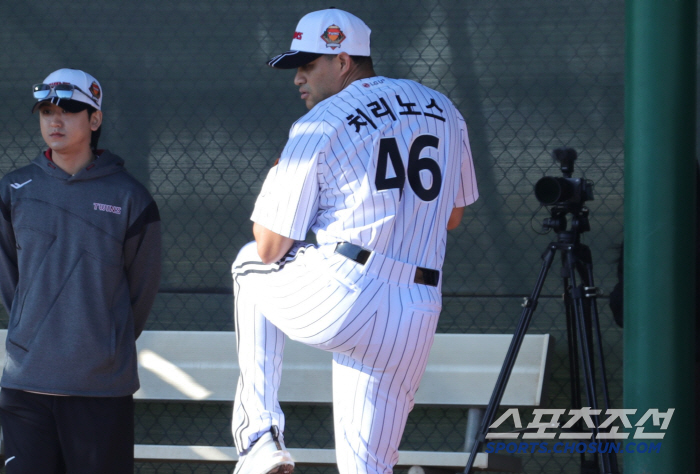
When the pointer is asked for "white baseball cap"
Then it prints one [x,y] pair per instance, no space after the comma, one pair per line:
[70,89]
[330,31]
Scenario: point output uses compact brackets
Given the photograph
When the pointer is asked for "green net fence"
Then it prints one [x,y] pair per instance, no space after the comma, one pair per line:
[199,118]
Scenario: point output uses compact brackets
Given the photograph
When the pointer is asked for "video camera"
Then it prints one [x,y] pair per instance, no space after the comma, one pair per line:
[567,190]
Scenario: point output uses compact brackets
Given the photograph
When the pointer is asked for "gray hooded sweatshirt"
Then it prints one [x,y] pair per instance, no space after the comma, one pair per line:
[79,271]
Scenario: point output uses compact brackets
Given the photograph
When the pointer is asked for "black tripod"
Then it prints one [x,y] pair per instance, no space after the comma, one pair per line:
[581,323]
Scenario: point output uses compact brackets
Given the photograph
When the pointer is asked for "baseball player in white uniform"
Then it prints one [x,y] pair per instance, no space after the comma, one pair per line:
[379,169]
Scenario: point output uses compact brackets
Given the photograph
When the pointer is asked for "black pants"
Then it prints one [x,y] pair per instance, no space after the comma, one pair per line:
[78,435]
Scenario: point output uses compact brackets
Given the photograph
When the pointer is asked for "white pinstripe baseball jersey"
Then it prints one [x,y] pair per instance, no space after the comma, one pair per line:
[380,165]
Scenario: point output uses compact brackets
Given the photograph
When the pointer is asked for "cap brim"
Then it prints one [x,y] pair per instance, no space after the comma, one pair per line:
[72,106]
[292,59]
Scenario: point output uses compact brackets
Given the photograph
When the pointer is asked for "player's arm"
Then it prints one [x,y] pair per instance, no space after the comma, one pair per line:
[142,263]
[455,218]
[9,272]
[271,245]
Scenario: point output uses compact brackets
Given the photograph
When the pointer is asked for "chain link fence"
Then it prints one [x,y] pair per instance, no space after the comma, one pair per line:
[199,118]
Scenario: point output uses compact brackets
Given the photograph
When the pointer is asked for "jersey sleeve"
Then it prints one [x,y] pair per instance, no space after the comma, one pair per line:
[468,192]
[288,201]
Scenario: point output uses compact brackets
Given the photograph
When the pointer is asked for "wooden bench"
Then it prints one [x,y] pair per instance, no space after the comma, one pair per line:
[201,366]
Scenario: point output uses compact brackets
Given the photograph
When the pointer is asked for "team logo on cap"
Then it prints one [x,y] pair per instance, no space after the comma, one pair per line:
[95,90]
[333,36]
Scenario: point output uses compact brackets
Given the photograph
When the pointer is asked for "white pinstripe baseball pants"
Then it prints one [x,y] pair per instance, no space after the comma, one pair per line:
[380,334]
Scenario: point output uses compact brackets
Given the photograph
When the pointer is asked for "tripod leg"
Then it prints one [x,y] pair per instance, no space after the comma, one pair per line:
[590,292]
[521,328]
[585,346]
[585,257]
[571,334]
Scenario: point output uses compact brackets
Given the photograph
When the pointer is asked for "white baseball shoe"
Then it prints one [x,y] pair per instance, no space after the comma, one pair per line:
[267,456]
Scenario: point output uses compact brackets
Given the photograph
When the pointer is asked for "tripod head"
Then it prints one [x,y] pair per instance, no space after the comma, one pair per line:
[558,222]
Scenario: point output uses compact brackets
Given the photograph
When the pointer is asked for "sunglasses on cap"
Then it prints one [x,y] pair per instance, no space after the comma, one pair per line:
[62,91]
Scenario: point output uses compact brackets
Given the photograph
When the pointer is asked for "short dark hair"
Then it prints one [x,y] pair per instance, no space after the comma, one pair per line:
[363,61]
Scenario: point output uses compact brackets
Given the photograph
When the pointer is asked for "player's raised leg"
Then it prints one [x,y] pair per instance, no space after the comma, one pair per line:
[260,347]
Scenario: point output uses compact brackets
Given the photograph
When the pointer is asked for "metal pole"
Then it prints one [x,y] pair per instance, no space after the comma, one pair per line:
[660,167]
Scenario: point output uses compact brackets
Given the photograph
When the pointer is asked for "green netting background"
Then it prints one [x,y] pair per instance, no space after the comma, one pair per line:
[199,118]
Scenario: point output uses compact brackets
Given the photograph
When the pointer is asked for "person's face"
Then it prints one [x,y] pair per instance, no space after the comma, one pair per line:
[319,79]
[66,132]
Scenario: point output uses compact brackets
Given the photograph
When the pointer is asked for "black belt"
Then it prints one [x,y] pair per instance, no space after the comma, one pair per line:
[424,276]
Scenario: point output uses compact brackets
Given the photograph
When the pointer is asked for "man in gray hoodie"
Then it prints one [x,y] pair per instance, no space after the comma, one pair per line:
[79,271]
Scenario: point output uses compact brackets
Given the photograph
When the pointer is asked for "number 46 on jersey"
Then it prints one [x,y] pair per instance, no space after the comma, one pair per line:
[389,151]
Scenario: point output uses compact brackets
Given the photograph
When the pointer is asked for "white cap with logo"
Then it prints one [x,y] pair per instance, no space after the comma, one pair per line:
[330,31]
[70,89]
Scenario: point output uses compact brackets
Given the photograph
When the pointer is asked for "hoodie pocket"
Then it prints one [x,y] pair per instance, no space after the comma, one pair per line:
[33,248]
[83,316]
[73,312]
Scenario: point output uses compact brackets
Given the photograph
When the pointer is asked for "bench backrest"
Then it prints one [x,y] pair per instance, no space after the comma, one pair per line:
[462,369]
